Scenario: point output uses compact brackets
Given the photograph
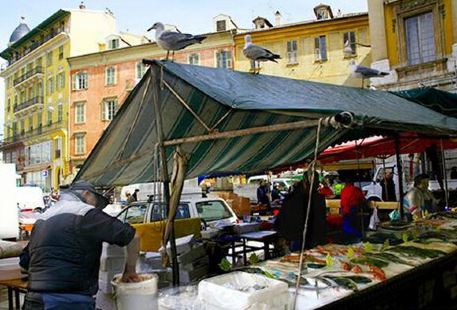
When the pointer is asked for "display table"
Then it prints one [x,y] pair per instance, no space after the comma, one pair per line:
[417,274]
[266,237]
[12,278]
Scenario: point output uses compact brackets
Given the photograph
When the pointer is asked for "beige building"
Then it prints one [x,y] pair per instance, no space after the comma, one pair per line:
[416,42]
[313,49]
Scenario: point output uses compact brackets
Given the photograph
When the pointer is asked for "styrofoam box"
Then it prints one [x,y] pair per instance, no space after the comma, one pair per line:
[217,292]
[112,263]
[112,250]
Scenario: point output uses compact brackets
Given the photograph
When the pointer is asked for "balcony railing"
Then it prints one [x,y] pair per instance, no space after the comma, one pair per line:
[37,44]
[29,74]
[43,129]
[28,103]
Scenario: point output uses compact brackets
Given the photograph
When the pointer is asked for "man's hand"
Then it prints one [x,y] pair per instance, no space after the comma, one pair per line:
[129,277]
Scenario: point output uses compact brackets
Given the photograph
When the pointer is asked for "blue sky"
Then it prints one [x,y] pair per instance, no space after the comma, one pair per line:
[194,16]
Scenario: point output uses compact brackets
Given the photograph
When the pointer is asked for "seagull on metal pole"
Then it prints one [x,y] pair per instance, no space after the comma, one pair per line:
[174,41]
[257,53]
[363,73]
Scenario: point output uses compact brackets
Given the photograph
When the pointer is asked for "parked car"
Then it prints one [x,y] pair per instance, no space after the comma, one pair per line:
[212,211]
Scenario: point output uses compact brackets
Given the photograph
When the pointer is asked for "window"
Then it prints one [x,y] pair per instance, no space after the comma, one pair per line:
[60,81]
[49,58]
[61,52]
[320,48]
[30,122]
[420,39]
[39,118]
[349,40]
[133,214]
[212,210]
[194,59]
[140,70]
[114,43]
[109,109]
[80,143]
[221,25]
[159,212]
[110,76]
[58,147]
[22,124]
[80,81]
[292,52]
[59,112]
[8,108]
[49,117]
[80,112]
[224,59]
[50,88]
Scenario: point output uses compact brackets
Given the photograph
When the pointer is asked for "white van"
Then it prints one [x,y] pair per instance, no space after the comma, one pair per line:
[9,222]
[29,198]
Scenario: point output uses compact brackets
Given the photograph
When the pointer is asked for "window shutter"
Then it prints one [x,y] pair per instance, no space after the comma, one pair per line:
[73,81]
[316,43]
[323,48]
[346,38]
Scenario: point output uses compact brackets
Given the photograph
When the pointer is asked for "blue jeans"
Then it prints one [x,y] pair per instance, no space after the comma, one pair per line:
[58,301]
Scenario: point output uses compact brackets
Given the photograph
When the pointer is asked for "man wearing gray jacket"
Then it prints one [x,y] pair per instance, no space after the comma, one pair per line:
[63,255]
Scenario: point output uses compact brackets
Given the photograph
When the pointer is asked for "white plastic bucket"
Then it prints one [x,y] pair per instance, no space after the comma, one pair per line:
[137,295]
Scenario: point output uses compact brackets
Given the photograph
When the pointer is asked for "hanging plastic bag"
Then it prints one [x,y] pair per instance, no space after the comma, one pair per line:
[374,220]
[394,215]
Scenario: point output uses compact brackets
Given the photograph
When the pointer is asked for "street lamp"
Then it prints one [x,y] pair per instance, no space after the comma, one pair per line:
[347,50]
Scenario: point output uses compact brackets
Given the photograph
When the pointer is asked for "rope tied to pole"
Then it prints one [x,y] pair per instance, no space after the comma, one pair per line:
[312,169]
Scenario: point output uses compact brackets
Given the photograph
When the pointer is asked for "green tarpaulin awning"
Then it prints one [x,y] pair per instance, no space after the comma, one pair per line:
[197,101]
[438,100]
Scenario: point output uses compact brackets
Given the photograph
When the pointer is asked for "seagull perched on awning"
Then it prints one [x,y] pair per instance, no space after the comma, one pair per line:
[363,73]
[174,41]
[257,53]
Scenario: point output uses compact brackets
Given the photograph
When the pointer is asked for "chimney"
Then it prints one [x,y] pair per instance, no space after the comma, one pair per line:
[339,14]
[82,6]
[278,18]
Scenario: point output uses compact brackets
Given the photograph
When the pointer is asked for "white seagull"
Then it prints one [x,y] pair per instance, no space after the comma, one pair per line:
[257,53]
[174,41]
[363,73]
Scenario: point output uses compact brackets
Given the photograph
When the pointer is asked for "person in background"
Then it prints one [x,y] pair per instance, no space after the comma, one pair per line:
[388,187]
[275,193]
[419,199]
[325,188]
[352,203]
[290,221]
[135,195]
[337,186]
[128,197]
[262,194]
[63,255]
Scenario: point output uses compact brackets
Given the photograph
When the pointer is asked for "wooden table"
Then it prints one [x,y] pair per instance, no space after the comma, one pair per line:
[13,279]
[15,286]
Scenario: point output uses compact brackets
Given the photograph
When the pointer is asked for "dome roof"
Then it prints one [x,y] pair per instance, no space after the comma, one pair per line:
[19,32]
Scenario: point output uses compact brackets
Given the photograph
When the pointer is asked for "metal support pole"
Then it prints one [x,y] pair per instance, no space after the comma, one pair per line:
[164,168]
[443,163]
[400,175]
[362,214]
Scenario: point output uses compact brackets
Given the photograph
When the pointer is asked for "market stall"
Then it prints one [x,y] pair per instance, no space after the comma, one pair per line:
[183,121]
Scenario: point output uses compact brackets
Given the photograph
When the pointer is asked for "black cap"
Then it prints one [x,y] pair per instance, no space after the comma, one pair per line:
[86,186]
